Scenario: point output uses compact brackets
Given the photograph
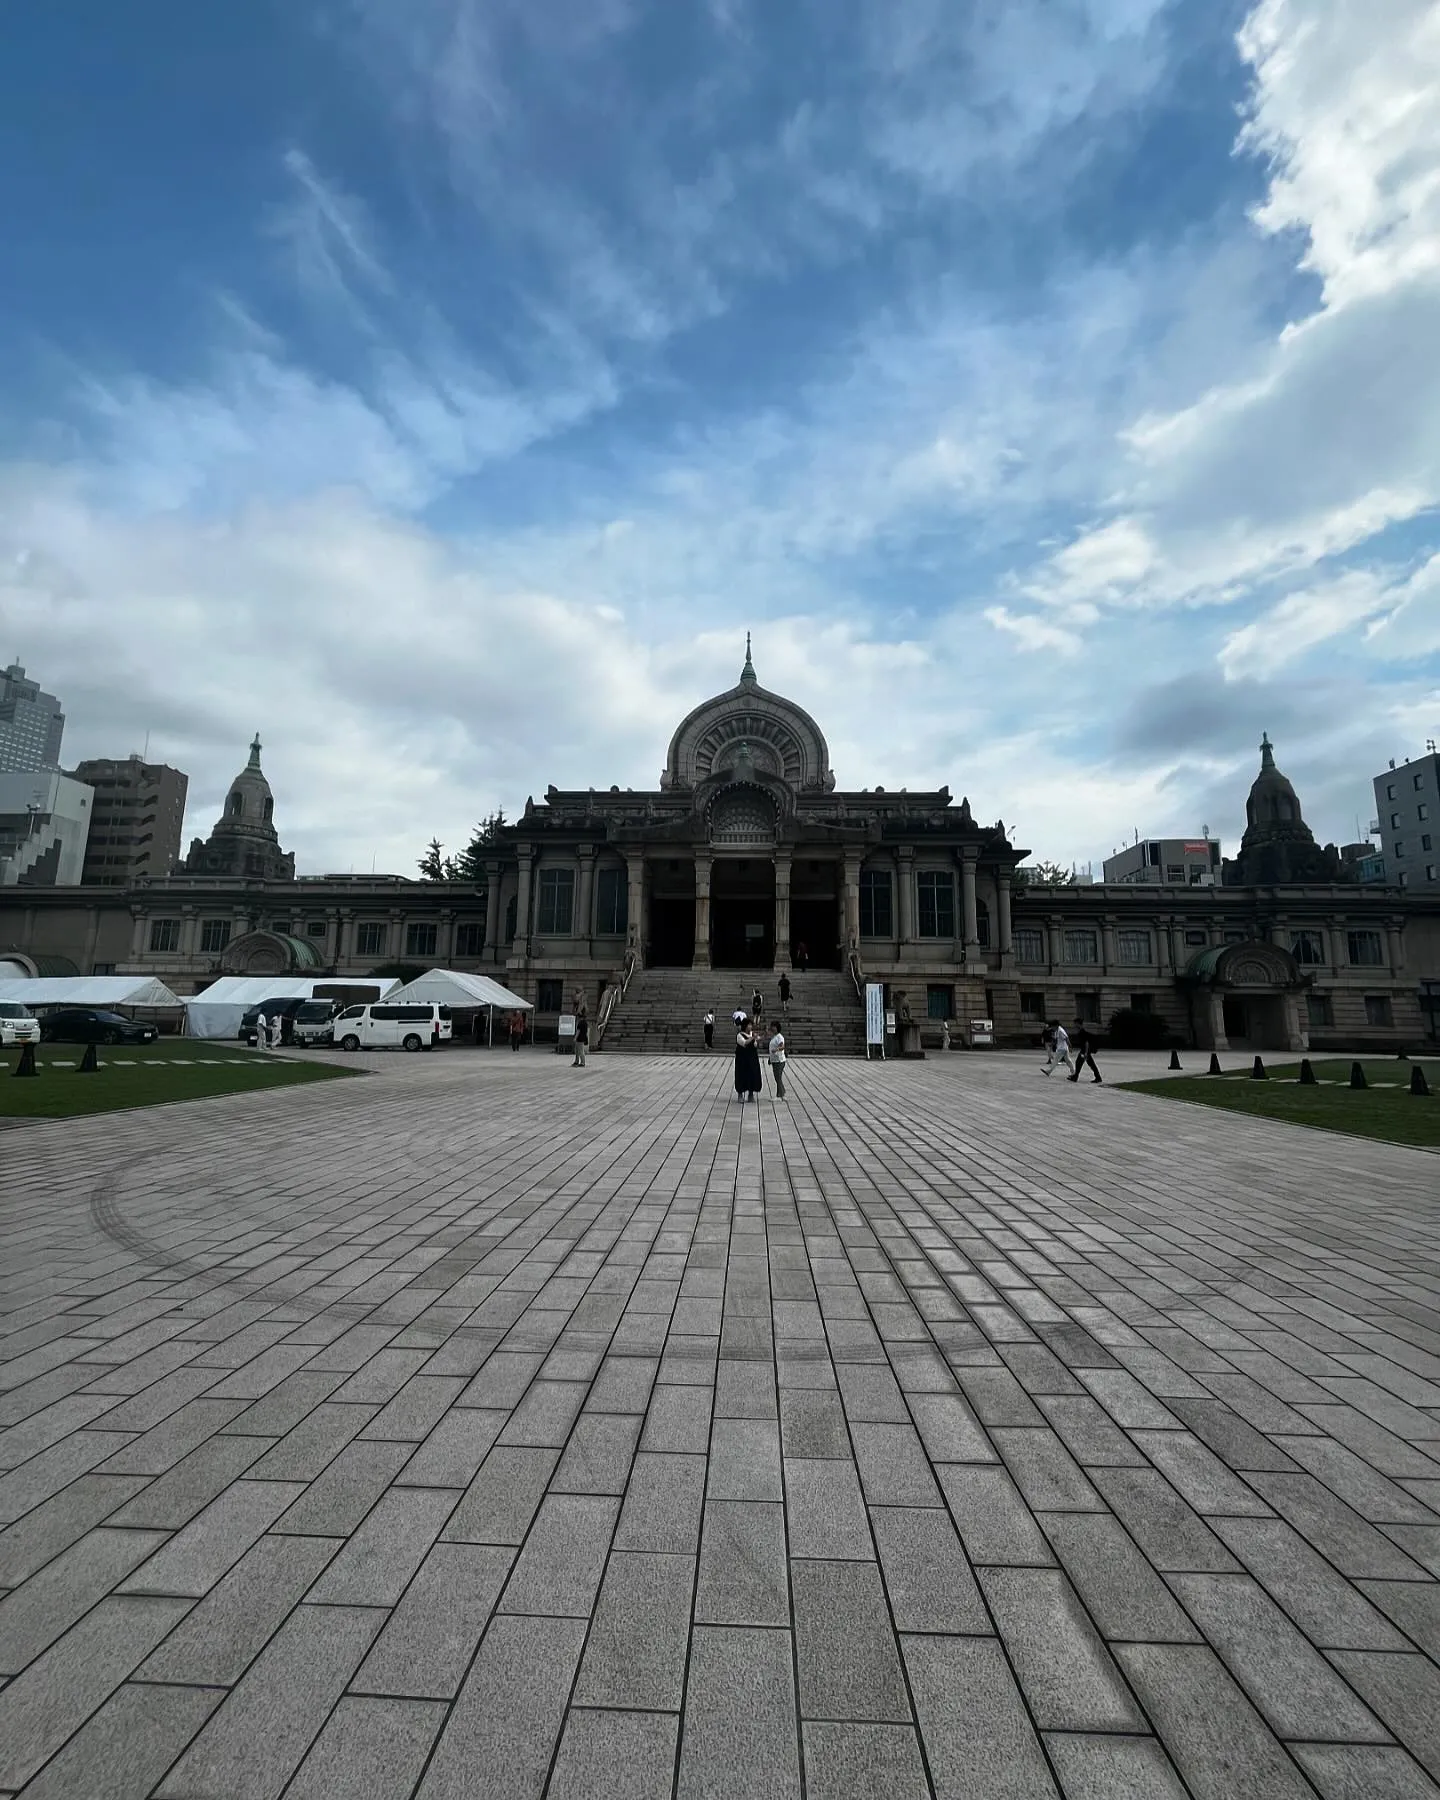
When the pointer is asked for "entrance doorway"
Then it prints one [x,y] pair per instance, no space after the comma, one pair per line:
[815,911]
[742,913]
[1256,1022]
[672,915]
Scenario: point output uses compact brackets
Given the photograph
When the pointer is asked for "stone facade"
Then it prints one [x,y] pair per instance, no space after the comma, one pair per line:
[748,856]
[244,841]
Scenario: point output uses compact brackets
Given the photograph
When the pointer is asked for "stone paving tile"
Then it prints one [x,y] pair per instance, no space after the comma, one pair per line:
[561,1462]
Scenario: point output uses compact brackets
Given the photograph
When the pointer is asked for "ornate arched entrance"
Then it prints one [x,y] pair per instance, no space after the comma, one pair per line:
[1246,996]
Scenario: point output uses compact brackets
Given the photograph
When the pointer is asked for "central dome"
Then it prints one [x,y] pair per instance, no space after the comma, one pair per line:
[781,738]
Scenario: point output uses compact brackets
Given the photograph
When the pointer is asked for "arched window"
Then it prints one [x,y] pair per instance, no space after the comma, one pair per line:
[269,808]
[237,805]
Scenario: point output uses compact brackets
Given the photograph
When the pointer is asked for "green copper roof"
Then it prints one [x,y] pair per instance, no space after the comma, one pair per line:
[748,677]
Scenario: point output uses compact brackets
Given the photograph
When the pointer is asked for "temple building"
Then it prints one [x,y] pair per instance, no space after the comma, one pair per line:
[748,860]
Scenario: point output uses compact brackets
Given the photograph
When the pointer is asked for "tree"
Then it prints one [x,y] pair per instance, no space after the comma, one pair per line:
[1043,874]
[432,865]
[469,865]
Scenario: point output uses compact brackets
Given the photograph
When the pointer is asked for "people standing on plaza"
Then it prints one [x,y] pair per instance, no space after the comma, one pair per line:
[784,993]
[517,1029]
[776,1051]
[802,956]
[262,1036]
[747,1062]
[277,1031]
[582,1037]
[709,1025]
[1059,1049]
[1084,1044]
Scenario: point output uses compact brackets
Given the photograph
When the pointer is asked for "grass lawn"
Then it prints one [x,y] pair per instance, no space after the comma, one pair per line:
[1390,1113]
[144,1075]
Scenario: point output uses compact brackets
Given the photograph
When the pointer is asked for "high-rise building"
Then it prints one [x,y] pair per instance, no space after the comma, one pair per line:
[44,826]
[1407,808]
[136,821]
[31,724]
[1166,862]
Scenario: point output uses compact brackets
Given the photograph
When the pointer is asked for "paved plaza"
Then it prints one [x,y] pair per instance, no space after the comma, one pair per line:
[488,1427]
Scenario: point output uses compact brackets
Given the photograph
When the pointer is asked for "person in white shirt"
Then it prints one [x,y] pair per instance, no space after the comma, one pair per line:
[262,1040]
[777,1062]
[1059,1050]
[709,1024]
[277,1031]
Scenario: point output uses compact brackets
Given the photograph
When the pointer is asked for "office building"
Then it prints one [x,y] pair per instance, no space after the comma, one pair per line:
[1166,862]
[31,724]
[44,828]
[136,820]
[1407,806]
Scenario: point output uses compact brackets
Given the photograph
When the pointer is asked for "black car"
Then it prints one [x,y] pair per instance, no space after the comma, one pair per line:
[89,1025]
[284,1007]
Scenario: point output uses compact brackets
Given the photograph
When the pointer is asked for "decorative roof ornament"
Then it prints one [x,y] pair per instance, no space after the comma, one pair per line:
[1267,751]
[254,762]
[748,677]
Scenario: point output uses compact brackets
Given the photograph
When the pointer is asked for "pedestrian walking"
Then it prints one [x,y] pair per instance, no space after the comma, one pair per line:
[262,1033]
[802,956]
[517,1029]
[1059,1049]
[1084,1052]
[582,1038]
[747,1062]
[776,1050]
[709,1027]
[757,1006]
[277,1031]
[784,993]
[944,1034]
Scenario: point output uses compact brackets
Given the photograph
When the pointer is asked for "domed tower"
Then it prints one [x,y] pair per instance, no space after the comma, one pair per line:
[1278,848]
[244,842]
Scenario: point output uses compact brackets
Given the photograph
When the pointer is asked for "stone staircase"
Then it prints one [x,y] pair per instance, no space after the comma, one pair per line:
[662,1012]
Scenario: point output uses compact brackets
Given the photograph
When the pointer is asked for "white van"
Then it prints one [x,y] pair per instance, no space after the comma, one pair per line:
[415,1026]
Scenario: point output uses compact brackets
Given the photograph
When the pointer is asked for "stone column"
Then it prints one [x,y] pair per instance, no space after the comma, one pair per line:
[635,898]
[1108,954]
[522,902]
[1395,937]
[1057,947]
[1335,936]
[494,877]
[703,864]
[782,909]
[189,933]
[344,928]
[852,900]
[969,913]
[1280,931]
[137,933]
[1007,934]
[905,892]
[445,938]
[582,925]
[1164,949]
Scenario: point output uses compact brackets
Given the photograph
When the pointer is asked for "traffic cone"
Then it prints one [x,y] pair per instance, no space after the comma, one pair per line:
[1307,1074]
[1357,1076]
[1174,1059]
[1258,1072]
[1214,1068]
[26,1064]
[89,1062]
[1419,1086]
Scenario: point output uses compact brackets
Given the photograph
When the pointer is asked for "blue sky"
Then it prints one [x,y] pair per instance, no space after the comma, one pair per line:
[443,387]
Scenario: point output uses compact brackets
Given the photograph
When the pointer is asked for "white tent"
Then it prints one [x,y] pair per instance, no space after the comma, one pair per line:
[452,987]
[91,990]
[217,1012]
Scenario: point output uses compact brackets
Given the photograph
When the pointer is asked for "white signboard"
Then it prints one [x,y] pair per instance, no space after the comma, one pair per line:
[566,1027]
[875,1013]
[982,1031]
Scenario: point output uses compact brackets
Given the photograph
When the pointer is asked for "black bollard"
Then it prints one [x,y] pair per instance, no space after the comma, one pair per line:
[1214,1068]
[89,1062]
[26,1064]
[1357,1076]
[1258,1072]
[1307,1074]
[1419,1086]
[1174,1059]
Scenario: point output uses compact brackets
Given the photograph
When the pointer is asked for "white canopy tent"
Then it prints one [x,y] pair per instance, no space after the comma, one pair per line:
[462,993]
[217,1012]
[92,990]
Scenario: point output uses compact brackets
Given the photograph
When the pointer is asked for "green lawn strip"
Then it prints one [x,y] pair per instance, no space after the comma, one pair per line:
[1392,1115]
[143,1075]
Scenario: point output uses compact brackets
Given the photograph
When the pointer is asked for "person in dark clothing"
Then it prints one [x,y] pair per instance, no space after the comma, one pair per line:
[517,1030]
[582,1038]
[709,1030]
[757,1007]
[802,956]
[1084,1046]
[784,993]
[747,1062]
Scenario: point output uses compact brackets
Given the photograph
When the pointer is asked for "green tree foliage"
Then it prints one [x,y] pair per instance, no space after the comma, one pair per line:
[1043,874]
[432,864]
[469,865]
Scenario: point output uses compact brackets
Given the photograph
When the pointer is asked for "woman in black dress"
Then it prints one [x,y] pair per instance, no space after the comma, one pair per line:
[747,1062]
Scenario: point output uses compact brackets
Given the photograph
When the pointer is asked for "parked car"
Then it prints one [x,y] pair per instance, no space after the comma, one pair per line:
[18,1025]
[90,1025]
[283,1006]
[418,1026]
[314,1022]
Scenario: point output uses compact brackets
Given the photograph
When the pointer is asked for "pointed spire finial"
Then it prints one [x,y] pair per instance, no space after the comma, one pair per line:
[747,674]
[254,762]
[1267,752]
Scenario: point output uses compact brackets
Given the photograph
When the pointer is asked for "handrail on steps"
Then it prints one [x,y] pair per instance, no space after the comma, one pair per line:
[615,993]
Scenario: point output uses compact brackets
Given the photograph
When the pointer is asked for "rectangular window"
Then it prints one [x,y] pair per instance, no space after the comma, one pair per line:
[370,937]
[1320,1010]
[1390,790]
[1029,944]
[557,902]
[315,928]
[936,891]
[1394,821]
[1032,1007]
[1081,947]
[1418,783]
[470,937]
[1425,843]
[1197,938]
[1399,847]
[1403,878]
[1422,811]
[877,912]
[1087,1008]
[421,937]
[1429,871]
[550,995]
[1308,948]
[939,1002]
[1133,947]
[214,936]
[611,899]
[1175,873]
[164,934]
[1142,1003]
[1235,937]
[1377,1010]
[1366,949]
[103,969]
